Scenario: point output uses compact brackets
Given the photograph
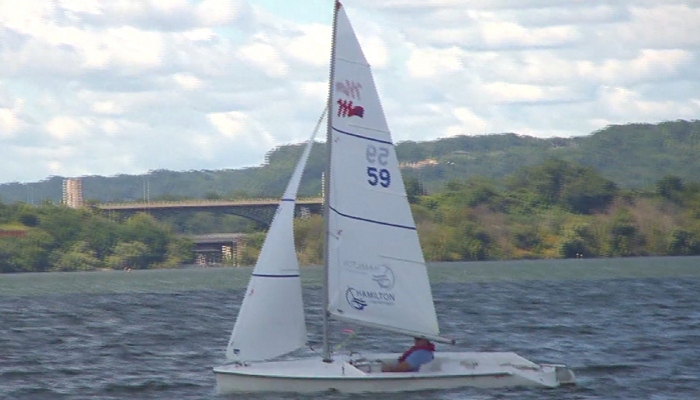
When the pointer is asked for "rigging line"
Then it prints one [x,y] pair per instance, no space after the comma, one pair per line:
[318,123]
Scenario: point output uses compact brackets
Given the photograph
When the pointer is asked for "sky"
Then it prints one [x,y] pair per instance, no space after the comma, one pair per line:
[108,87]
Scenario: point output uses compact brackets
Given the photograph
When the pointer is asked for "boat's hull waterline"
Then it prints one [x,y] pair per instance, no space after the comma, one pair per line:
[447,371]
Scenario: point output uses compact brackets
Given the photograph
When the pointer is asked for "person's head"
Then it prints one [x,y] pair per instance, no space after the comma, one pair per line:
[421,341]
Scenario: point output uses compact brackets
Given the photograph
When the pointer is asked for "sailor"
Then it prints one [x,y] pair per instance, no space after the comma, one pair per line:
[411,361]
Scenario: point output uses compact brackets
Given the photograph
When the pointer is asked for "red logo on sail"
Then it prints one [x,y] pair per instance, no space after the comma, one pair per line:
[352,90]
[347,109]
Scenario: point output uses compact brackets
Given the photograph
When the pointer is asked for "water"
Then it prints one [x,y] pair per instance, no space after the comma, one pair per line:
[630,328]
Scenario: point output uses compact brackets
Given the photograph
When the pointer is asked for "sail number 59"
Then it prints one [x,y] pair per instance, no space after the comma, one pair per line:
[377,175]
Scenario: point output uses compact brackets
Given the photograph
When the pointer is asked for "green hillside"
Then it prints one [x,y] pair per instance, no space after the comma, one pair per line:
[632,156]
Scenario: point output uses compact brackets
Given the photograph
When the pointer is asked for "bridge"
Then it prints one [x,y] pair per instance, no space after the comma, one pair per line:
[222,247]
[259,210]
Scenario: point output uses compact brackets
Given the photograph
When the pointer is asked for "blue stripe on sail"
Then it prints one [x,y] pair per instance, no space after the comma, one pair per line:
[413,228]
[364,137]
[288,199]
[276,276]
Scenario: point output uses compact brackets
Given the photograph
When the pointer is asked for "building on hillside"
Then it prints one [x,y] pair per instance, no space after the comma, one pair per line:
[73,192]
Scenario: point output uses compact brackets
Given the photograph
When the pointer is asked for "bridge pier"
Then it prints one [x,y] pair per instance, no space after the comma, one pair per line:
[218,248]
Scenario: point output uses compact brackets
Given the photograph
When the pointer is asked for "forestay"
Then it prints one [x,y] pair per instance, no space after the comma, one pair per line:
[271,321]
[376,271]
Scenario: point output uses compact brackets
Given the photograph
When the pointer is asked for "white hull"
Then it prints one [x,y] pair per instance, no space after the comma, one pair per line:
[447,371]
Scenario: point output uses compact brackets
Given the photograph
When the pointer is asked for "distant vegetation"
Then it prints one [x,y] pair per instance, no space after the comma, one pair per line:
[634,156]
[58,238]
[553,210]
[625,191]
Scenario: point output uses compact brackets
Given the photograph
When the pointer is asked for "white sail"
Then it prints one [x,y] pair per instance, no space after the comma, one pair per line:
[271,319]
[376,270]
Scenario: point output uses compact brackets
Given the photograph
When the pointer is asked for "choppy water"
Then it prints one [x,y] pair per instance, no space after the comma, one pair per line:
[629,328]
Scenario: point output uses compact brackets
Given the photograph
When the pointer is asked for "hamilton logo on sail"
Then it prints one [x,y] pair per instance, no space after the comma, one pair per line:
[359,299]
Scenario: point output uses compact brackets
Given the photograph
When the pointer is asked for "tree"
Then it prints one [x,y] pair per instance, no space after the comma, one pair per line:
[670,188]
[308,240]
[180,251]
[587,193]
[129,255]
[32,252]
[155,236]
[61,222]
[29,218]
[683,243]
[475,243]
[576,241]
[8,255]
[100,235]
[557,182]
[80,258]
[414,189]
[623,235]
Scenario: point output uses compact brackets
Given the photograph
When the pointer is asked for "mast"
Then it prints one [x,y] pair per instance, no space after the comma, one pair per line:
[327,189]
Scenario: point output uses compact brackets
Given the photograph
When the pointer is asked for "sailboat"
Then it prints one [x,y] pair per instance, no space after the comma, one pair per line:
[374,271]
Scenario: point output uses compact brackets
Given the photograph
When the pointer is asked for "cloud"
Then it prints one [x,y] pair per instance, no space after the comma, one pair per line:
[620,104]
[497,34]
[649,64]
[264,56]
[106,107]
[100,87]
[9,122]
[469,122]
[429,62]
[663,25]
[65,128]
[503,92]
[314,90]
[188,81]
[126,47]
[309,45]
[237,125]
[219,12]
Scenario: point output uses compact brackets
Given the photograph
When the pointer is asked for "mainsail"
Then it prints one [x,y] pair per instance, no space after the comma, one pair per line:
[376,270]
[271,321]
